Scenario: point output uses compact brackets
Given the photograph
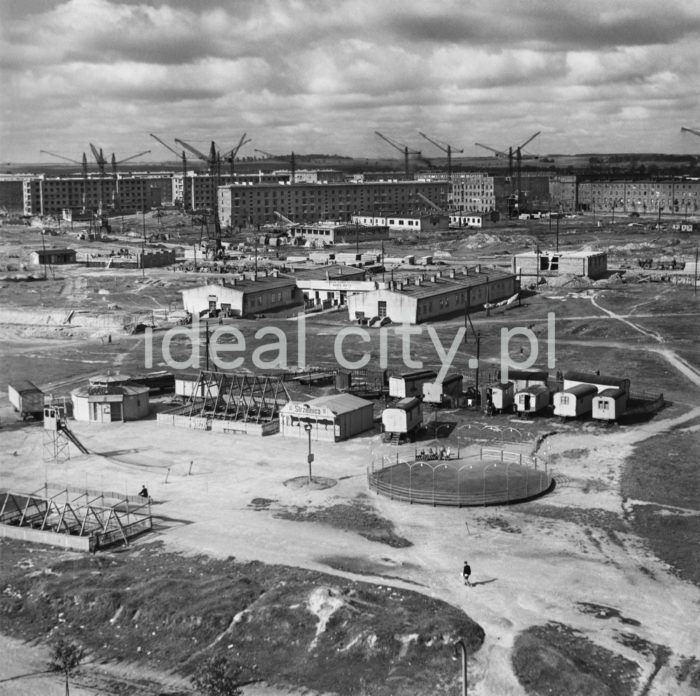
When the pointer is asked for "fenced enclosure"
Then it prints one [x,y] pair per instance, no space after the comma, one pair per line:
[493,477]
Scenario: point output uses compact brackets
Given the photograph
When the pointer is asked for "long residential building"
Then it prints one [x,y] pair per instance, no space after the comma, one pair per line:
[646,196]
[44,195]
[241,204]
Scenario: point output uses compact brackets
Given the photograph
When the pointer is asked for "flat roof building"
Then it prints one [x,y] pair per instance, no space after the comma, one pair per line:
[256,204]
[236,297]
[592,264]
[52,257]
[332,418]
[434,296]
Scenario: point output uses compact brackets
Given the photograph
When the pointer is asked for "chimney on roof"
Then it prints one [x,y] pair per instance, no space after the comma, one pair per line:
[417,280]
[233,281]
[478,268]
[452,272]
[465,271]
[433,279]
[328,275]
[439,274]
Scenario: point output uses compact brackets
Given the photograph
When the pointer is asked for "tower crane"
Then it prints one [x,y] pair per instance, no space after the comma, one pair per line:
[230,156]
[184,169]
[514,151]
[446,149]
[213,160]
[115,162]
[401,148]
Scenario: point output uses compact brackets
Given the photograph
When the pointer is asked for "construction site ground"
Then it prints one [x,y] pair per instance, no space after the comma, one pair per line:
[591,589]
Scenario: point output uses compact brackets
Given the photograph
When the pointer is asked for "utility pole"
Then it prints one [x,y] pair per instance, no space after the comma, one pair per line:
[143,246]
[557,232]
[206,344]
[695,285]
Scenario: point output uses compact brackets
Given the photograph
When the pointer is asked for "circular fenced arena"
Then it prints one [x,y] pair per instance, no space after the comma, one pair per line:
[495,477]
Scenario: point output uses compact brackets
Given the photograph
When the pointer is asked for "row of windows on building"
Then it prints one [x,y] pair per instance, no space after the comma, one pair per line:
[479,292]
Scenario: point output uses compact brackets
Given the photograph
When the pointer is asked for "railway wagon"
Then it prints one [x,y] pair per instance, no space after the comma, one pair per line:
[448,392]
[498,397]
[609,404]
[410,383]
[26,399]
[531,399]
[402,418]
[574,401]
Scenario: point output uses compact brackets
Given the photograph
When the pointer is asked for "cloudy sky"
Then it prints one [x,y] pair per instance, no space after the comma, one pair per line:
[322,75]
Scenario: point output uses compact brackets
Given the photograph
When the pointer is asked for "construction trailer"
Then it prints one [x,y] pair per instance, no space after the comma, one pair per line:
[447,392]
[362,382]
[331,418]
[574,401]
[498,396]
[401,420]
[609,404]
[26,399]
[410,384]
[531,399]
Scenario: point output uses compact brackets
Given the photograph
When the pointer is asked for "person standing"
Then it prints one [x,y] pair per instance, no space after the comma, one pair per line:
[466,572]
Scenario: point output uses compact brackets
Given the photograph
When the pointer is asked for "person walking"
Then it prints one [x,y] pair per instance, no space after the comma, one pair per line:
[466,572]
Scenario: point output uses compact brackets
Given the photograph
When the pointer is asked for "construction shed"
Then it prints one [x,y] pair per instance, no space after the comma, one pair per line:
[332,418]
[600,382]
[609,404]
[237,298]
[26,398]
[109,399]
[402,419]
[410,383]
[434,295]
[592,264]
[52,257]
[447,392]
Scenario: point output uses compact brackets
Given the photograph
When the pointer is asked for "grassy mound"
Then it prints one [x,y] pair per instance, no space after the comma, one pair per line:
[281,625]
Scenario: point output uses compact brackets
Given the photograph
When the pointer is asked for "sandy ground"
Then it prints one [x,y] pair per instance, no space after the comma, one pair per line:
[521,579]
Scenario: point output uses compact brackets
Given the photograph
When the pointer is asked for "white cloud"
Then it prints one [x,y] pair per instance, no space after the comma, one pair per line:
[309,74]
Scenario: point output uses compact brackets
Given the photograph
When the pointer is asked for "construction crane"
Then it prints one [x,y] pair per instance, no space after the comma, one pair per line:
[514,152]
[230,156]
[184,168]
[115,177]
[446,149]
[401,148]
[213,160]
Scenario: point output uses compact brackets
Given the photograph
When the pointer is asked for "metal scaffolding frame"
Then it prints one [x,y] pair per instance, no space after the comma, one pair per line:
[237,397]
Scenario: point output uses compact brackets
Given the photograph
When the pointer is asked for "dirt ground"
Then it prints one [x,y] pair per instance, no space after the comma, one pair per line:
[535,564]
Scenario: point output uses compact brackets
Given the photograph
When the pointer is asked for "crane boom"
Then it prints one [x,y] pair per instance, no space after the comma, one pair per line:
[194,151]
[53,154]
[529,140]
[690,130]
[127,159]
[498,153]
[441,146]
[165,145]
[401,148]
